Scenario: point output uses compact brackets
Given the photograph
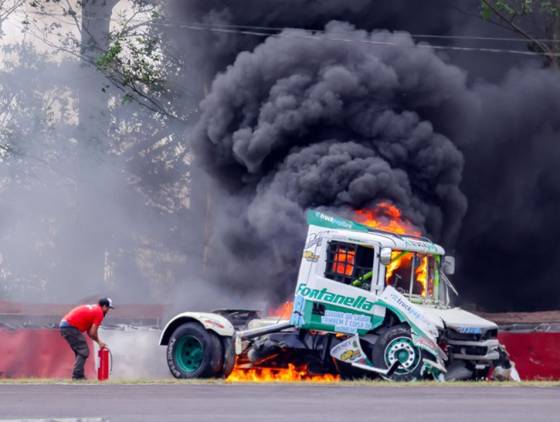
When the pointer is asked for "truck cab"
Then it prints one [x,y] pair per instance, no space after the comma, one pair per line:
[357,280]
[367,303]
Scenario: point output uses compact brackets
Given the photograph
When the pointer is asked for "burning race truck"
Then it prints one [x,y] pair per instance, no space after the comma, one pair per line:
[368,303]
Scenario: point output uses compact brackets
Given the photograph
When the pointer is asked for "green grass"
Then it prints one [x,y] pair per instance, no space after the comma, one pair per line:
[357,383]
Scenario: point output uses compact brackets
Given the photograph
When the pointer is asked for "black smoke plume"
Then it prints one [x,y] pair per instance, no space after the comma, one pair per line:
[303,121]
[509,246]
[500,111]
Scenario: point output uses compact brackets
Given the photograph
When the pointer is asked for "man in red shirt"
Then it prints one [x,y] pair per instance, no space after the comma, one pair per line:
[84,318]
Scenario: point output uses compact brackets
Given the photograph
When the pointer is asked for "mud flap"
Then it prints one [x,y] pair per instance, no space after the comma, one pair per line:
[350,352]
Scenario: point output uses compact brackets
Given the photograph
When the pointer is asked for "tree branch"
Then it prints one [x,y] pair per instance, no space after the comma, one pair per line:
[516,28]
[140,97]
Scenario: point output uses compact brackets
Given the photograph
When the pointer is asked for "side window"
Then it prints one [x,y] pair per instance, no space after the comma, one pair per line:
[350,264]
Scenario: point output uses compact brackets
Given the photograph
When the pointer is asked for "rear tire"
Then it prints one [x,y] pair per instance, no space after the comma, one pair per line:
[396,344]
[194,352]
[229,357]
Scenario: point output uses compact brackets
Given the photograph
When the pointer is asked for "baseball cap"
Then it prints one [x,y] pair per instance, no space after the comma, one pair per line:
[105,301]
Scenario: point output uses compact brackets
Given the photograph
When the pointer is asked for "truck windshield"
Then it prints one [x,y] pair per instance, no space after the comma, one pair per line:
[414,274]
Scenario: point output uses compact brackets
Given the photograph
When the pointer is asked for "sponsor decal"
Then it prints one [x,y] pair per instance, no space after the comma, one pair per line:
[349,355]
[310,256]
[405,305]
[346,322]
[469,330]
[349,351]
[420,244]
[214,323]
[334,221]
[314,239]
[325,217]
[297,311]
[412,312]
[325,295]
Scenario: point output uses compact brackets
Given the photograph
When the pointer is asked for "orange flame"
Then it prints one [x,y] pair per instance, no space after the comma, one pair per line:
[422,275]
[386,216]
[344,261]
[289,374]
[404,262]
[283,311]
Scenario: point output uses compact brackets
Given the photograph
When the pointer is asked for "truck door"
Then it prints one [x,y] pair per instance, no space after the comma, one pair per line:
[338,295]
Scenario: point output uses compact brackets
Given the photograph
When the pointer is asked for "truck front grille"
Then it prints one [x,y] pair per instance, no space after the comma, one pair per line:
[453,334]
[469,350]
[480,350]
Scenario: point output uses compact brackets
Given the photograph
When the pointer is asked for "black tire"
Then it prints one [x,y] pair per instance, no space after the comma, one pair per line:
[229,356]
[205,358]
[394,341]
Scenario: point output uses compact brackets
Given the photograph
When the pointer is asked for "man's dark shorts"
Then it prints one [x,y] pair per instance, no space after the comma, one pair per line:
[80,348]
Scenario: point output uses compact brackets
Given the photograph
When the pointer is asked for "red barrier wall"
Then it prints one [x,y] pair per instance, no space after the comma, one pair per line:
[43,353]
[38,353]
[536,354]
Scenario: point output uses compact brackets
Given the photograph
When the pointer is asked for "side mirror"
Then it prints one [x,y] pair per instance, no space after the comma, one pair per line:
[448,266]
[385,256]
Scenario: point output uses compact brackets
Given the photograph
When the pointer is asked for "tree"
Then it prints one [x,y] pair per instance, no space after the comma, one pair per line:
[35,145]
[121,44]
[536,21]
[7,8]
[118,192]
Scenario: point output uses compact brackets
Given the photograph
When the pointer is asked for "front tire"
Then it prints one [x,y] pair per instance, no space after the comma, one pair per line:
[396,344]
[194,352]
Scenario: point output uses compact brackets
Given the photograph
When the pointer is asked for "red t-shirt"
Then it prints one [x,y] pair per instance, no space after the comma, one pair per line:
[84,316]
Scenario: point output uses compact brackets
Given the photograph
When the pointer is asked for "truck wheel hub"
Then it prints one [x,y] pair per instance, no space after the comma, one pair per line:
[189,353]
[401,349]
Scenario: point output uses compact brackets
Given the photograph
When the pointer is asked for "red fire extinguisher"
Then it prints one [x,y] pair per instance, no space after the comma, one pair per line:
[104,359]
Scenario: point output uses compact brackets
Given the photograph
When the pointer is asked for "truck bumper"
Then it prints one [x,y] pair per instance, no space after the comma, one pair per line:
[486,350]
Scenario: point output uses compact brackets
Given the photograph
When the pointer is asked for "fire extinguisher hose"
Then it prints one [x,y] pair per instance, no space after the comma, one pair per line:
[110,362]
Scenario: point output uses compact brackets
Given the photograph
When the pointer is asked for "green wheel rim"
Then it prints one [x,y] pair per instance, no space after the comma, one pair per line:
[403,350]
[189,353]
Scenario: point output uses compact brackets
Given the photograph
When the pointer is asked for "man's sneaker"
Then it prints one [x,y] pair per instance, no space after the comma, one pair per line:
[82,378]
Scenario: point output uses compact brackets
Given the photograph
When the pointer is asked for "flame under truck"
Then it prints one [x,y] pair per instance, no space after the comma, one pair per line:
[367,303]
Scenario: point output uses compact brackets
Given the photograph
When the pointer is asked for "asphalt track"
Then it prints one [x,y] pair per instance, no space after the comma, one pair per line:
[281,402]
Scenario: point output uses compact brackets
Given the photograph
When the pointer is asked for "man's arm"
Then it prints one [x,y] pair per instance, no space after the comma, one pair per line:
[93,334]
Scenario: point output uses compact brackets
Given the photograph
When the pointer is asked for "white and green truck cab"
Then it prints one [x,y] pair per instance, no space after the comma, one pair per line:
[367,303]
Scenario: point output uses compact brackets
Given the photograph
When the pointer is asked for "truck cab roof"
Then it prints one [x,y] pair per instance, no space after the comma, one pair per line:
[361,233]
